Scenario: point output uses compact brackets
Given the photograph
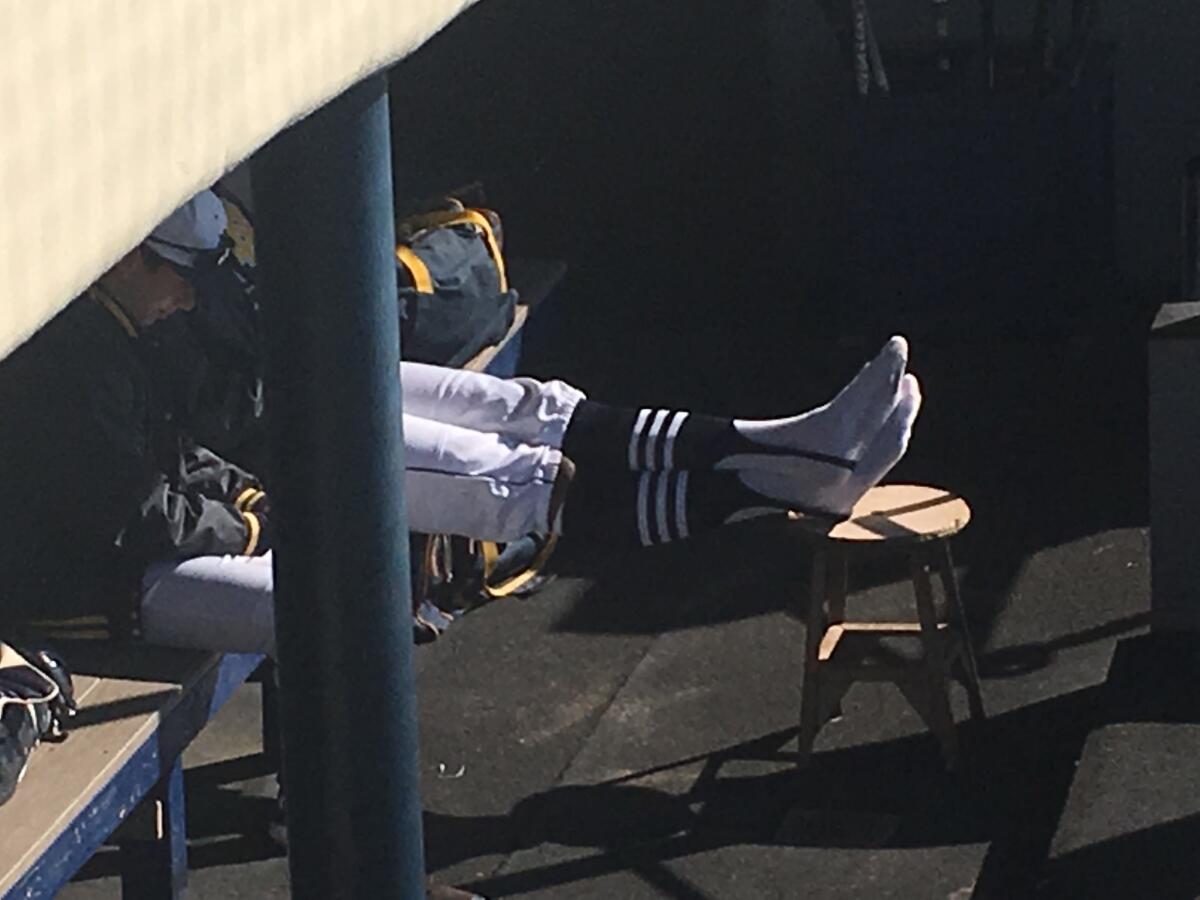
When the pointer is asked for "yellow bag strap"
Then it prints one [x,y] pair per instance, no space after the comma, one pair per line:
[428,570]
[491,553]
[444,218]
[417,270]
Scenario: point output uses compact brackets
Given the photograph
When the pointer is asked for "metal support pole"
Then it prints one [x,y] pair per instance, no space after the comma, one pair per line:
[325,243]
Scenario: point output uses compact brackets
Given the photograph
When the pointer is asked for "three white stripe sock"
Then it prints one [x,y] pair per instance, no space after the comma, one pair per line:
[700,471]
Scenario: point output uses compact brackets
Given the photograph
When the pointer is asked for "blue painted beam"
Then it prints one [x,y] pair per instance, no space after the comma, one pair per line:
[325,240]
[156,867]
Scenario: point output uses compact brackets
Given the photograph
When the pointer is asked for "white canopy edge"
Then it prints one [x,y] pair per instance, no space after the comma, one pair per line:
[114,112]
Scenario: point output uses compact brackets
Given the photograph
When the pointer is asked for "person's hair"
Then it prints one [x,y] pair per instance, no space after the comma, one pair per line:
[152,260]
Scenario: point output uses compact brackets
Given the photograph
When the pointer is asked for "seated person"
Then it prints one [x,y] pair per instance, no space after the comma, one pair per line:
[206,366]
[103,488]
[95,484]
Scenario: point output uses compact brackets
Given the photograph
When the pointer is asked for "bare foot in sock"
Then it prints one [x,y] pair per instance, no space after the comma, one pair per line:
[836,435]
[815,487]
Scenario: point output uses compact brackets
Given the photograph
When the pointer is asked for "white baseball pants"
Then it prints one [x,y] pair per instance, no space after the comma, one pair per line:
[481,457]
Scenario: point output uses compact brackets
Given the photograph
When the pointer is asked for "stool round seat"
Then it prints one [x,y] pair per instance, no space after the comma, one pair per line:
[893,512]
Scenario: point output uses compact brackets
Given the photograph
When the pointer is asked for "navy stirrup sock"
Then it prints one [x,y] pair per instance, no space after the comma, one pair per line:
[628,509]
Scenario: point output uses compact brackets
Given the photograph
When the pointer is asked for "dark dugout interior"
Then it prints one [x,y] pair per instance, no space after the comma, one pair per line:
[727,205]
[742,231]
[632,141]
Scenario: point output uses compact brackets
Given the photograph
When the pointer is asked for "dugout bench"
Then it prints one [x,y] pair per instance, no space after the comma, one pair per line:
[118,776]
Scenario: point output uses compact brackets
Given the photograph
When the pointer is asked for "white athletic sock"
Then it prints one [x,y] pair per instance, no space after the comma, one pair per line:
[816,488]
[841,429]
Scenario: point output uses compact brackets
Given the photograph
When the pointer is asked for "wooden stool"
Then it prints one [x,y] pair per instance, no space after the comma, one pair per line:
[919,657]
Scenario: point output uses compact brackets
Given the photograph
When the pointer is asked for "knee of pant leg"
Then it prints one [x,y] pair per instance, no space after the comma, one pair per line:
[556,404]
[218,603]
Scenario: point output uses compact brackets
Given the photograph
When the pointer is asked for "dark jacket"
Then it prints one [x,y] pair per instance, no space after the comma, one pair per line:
[93,486]
[206,366]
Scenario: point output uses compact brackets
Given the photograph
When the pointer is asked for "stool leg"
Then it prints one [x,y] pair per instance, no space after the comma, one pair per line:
[829,697]
[927,695]
[838,577]
[810,700]
[926,611]
[937,705]
[941,719]
[945,564]
[837,574]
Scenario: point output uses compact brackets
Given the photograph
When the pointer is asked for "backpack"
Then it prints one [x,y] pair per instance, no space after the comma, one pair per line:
[451,284]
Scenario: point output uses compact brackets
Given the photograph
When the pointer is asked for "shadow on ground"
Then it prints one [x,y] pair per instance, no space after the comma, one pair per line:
[887,795]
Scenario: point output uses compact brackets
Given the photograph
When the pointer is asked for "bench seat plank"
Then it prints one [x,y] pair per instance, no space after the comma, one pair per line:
[533,279]
[481,360]
[130,730]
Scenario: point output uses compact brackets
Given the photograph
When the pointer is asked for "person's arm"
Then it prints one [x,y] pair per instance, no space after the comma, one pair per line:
[214,477]
[180,522]
[211,507]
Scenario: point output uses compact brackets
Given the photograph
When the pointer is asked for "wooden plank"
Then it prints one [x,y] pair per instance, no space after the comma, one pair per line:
[533,279]
[829,642]
[868,663]
[129,732]
[893,513]
[835,633]
[65,779]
